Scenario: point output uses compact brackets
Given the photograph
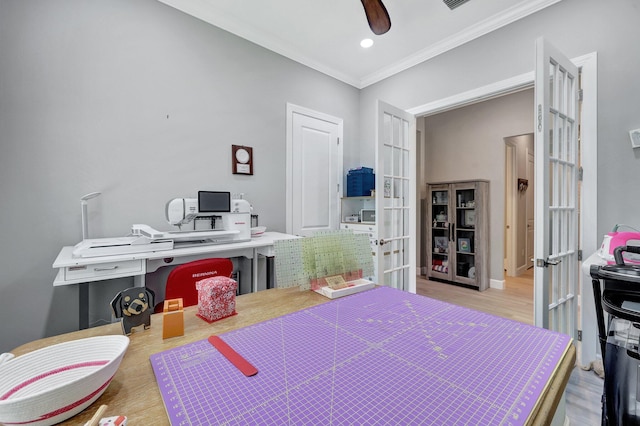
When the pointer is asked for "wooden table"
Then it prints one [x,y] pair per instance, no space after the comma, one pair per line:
[134,392]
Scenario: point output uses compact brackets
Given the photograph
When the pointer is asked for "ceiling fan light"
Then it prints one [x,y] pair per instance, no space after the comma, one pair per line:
[366,43]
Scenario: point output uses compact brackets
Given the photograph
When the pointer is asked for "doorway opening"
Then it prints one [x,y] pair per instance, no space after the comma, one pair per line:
[519,221]
[588,140]
[467,143]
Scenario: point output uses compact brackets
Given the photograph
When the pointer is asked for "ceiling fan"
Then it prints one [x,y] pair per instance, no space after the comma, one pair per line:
[378,17]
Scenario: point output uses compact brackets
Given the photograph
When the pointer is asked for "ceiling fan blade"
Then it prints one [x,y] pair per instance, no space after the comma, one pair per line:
[377,16]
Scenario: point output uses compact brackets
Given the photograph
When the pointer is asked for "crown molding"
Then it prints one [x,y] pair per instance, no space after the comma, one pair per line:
[203,10]
[509,16]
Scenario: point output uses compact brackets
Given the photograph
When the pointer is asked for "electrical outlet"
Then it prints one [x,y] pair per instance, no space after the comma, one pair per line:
[635,138]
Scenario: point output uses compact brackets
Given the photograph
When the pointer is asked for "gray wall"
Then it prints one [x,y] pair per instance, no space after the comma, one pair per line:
[86,88]
[577,27]
[141,102]
[468,144]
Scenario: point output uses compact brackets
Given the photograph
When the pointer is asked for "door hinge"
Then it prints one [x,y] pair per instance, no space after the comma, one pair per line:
[580,173]
[338,185]
[580,94]
[579,335]
[338,141]
[579,254]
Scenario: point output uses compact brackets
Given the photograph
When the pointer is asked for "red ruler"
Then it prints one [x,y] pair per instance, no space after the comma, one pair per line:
[234,357]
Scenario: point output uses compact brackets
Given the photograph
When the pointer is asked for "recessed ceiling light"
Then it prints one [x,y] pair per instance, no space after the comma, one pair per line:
[366,43]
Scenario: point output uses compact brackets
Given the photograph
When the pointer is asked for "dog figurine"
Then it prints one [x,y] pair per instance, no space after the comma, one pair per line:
[135,306]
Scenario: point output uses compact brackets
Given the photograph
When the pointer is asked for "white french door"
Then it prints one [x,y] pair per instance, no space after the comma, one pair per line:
[396,197]
[556,195]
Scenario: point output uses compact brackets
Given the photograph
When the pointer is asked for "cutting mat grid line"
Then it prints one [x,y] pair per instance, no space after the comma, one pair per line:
[381,356]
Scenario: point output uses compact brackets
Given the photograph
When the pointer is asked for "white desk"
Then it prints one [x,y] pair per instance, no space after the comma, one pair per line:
[84,270]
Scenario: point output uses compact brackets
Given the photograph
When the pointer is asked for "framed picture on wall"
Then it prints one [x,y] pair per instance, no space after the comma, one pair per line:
[241,160]
[464,245]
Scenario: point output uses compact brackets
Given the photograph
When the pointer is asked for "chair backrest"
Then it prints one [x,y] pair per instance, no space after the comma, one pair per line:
[181,281]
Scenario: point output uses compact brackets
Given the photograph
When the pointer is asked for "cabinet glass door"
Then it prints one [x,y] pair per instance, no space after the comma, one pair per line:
[440,233]
[465,233]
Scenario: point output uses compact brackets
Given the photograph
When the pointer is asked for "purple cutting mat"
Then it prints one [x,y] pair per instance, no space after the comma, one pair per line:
[379,357]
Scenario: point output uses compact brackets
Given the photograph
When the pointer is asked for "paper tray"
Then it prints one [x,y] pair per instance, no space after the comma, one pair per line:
[355,286]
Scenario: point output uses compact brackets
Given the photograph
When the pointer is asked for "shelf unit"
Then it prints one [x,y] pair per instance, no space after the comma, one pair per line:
[351,206]
[458,232]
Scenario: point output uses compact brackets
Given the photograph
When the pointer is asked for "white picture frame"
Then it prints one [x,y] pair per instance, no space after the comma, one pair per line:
[470,218]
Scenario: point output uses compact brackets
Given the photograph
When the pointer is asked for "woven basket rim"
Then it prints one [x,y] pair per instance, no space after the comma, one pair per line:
[119,340]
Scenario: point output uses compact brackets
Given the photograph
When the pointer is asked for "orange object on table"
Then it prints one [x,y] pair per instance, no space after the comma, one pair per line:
[173,318]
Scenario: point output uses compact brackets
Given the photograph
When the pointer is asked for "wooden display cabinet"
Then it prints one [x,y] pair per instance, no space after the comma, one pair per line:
[458,233]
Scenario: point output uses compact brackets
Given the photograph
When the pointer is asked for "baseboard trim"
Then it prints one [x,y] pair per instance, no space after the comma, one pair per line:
[497,284]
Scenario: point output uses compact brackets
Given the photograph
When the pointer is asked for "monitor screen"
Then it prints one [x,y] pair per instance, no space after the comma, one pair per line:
[214,201]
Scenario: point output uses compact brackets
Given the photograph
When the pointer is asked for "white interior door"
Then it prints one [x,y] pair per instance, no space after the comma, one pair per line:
[556,198]
[314,168]
[396,197]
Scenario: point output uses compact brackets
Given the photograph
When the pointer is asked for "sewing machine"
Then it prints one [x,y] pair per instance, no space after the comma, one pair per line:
[236,227]
[235,214]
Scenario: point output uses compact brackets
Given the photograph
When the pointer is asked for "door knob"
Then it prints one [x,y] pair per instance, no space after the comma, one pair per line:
[545,263]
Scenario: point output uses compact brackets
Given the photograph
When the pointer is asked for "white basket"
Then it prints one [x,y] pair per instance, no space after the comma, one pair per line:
[51,384]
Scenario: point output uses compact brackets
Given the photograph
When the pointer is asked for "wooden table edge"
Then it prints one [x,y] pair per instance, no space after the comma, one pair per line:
[549,400]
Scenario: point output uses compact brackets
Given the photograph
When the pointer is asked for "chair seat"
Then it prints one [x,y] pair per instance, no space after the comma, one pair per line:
[181,282]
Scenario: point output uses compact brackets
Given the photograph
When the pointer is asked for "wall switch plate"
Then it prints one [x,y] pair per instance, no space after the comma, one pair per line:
[635,138]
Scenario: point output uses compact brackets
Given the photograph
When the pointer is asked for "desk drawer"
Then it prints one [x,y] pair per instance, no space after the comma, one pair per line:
[104,270]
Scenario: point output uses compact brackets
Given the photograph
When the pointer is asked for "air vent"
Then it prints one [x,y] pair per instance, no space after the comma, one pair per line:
[454,3]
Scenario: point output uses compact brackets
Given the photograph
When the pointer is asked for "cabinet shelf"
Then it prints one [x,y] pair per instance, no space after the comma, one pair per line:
[351,206]
[360,197]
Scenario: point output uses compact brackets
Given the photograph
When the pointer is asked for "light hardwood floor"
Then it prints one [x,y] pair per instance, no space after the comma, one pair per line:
[584,389]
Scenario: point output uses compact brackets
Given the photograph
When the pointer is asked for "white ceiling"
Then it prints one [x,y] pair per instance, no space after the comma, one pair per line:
[325,34]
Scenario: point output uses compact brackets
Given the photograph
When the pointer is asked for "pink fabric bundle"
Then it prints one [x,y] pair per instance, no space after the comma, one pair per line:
[216,298]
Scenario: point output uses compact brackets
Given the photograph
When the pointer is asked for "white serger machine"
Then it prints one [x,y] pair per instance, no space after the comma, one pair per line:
[236,227]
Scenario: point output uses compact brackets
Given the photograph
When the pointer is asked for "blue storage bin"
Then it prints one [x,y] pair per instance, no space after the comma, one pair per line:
[360,184]
[364,170]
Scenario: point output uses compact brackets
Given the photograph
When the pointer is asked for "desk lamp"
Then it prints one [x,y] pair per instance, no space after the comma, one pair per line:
[83,204]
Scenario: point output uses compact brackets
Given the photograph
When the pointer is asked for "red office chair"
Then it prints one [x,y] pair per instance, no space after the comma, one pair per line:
[181,281]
